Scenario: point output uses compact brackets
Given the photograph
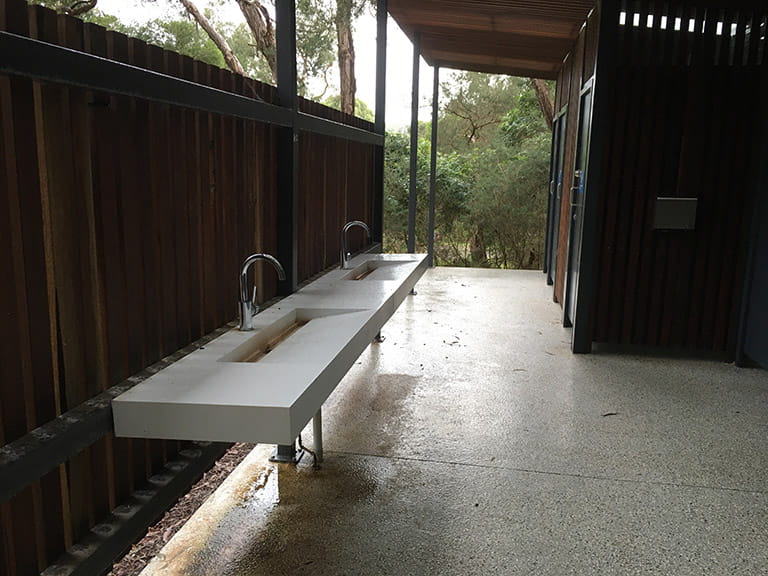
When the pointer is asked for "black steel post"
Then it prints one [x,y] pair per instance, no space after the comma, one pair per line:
[601,129]
[754,213]
[550,201]
[287,147]
[433,169]
[287,163]
[377,228]
[414,144]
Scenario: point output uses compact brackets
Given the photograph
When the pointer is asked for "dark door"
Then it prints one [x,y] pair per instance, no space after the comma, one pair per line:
[555,196]
[756,337]
[578,190]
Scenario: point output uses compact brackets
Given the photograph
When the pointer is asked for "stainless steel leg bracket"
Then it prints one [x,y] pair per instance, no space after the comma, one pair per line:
[317,433]
[287,454]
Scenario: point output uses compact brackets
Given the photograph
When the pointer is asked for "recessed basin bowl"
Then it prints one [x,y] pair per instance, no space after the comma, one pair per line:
[373,270]
[266,339]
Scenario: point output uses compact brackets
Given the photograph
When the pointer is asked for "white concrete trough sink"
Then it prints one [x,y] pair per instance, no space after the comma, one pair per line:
[373,270]
[265,385]
[282,331]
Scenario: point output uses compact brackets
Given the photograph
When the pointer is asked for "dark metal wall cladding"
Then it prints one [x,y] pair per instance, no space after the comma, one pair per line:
[683,126]
[122,226]
[518,37]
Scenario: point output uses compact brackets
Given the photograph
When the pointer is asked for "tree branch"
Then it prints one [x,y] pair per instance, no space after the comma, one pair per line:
[260,24]
[229,57]
[545,101]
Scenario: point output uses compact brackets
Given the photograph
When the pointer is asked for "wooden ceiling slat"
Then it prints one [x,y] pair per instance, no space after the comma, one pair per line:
[492,43]
[482,35]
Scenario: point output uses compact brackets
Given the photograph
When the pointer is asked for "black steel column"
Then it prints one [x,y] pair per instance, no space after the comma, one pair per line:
[377,227]
[550,200]
[596,186]
[433,169]
[756,208]
[414,144]
[287,168]
[287,147]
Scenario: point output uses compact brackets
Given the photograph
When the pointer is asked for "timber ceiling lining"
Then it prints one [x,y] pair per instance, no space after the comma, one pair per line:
[517,37]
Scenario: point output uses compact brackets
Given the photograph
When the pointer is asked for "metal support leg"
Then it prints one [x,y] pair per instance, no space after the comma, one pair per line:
[378,338]
[317,432]
[413,292]
[287,453]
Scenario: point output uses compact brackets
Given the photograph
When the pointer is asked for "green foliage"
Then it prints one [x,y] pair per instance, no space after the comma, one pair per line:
[523,121]
[361,108]
[473,106]
[183,36]
[242,44]
[315,42]
[492,177]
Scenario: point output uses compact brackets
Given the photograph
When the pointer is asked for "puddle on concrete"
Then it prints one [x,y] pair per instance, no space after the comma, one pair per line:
[272,518]
[380,403]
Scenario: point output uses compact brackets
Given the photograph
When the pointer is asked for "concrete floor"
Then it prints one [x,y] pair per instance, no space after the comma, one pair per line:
[473,442]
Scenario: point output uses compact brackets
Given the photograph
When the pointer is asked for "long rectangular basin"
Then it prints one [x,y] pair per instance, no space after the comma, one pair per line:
[265,385]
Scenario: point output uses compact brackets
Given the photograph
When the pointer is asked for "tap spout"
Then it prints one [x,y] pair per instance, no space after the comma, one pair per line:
[345,255]
[248,306]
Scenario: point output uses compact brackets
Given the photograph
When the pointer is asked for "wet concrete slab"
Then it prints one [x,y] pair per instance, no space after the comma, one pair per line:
[471,441]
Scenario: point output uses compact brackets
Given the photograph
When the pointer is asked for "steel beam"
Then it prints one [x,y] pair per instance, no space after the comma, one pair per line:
[414,143]
[21,56]
[433,168]
[38,60]
[316,125]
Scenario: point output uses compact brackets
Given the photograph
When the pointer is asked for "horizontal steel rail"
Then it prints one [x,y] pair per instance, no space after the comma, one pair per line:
[51,63]
[27,459]
[114,535]
[37,60]
[317,125]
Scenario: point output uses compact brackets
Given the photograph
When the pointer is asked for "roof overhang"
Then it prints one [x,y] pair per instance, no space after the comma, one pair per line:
[528,38]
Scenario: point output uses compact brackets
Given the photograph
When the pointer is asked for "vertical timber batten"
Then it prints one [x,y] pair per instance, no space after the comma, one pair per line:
[287,147]
[379,124]
[414,144]
[433,168]
[604,78]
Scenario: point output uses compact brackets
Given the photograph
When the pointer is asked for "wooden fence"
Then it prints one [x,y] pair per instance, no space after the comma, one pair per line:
[122,227]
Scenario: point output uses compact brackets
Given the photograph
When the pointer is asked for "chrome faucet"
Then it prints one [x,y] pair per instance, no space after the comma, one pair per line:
[344,252]
[248,308]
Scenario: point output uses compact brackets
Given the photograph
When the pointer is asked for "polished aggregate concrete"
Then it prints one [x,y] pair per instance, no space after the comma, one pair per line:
[471,441]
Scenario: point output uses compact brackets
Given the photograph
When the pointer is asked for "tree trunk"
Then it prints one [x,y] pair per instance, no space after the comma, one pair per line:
[346,55]
[478,253]
[545,101]
[262,30]
[81,7]
[229,57]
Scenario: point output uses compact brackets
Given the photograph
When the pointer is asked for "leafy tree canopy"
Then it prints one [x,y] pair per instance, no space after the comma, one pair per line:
[491,181]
